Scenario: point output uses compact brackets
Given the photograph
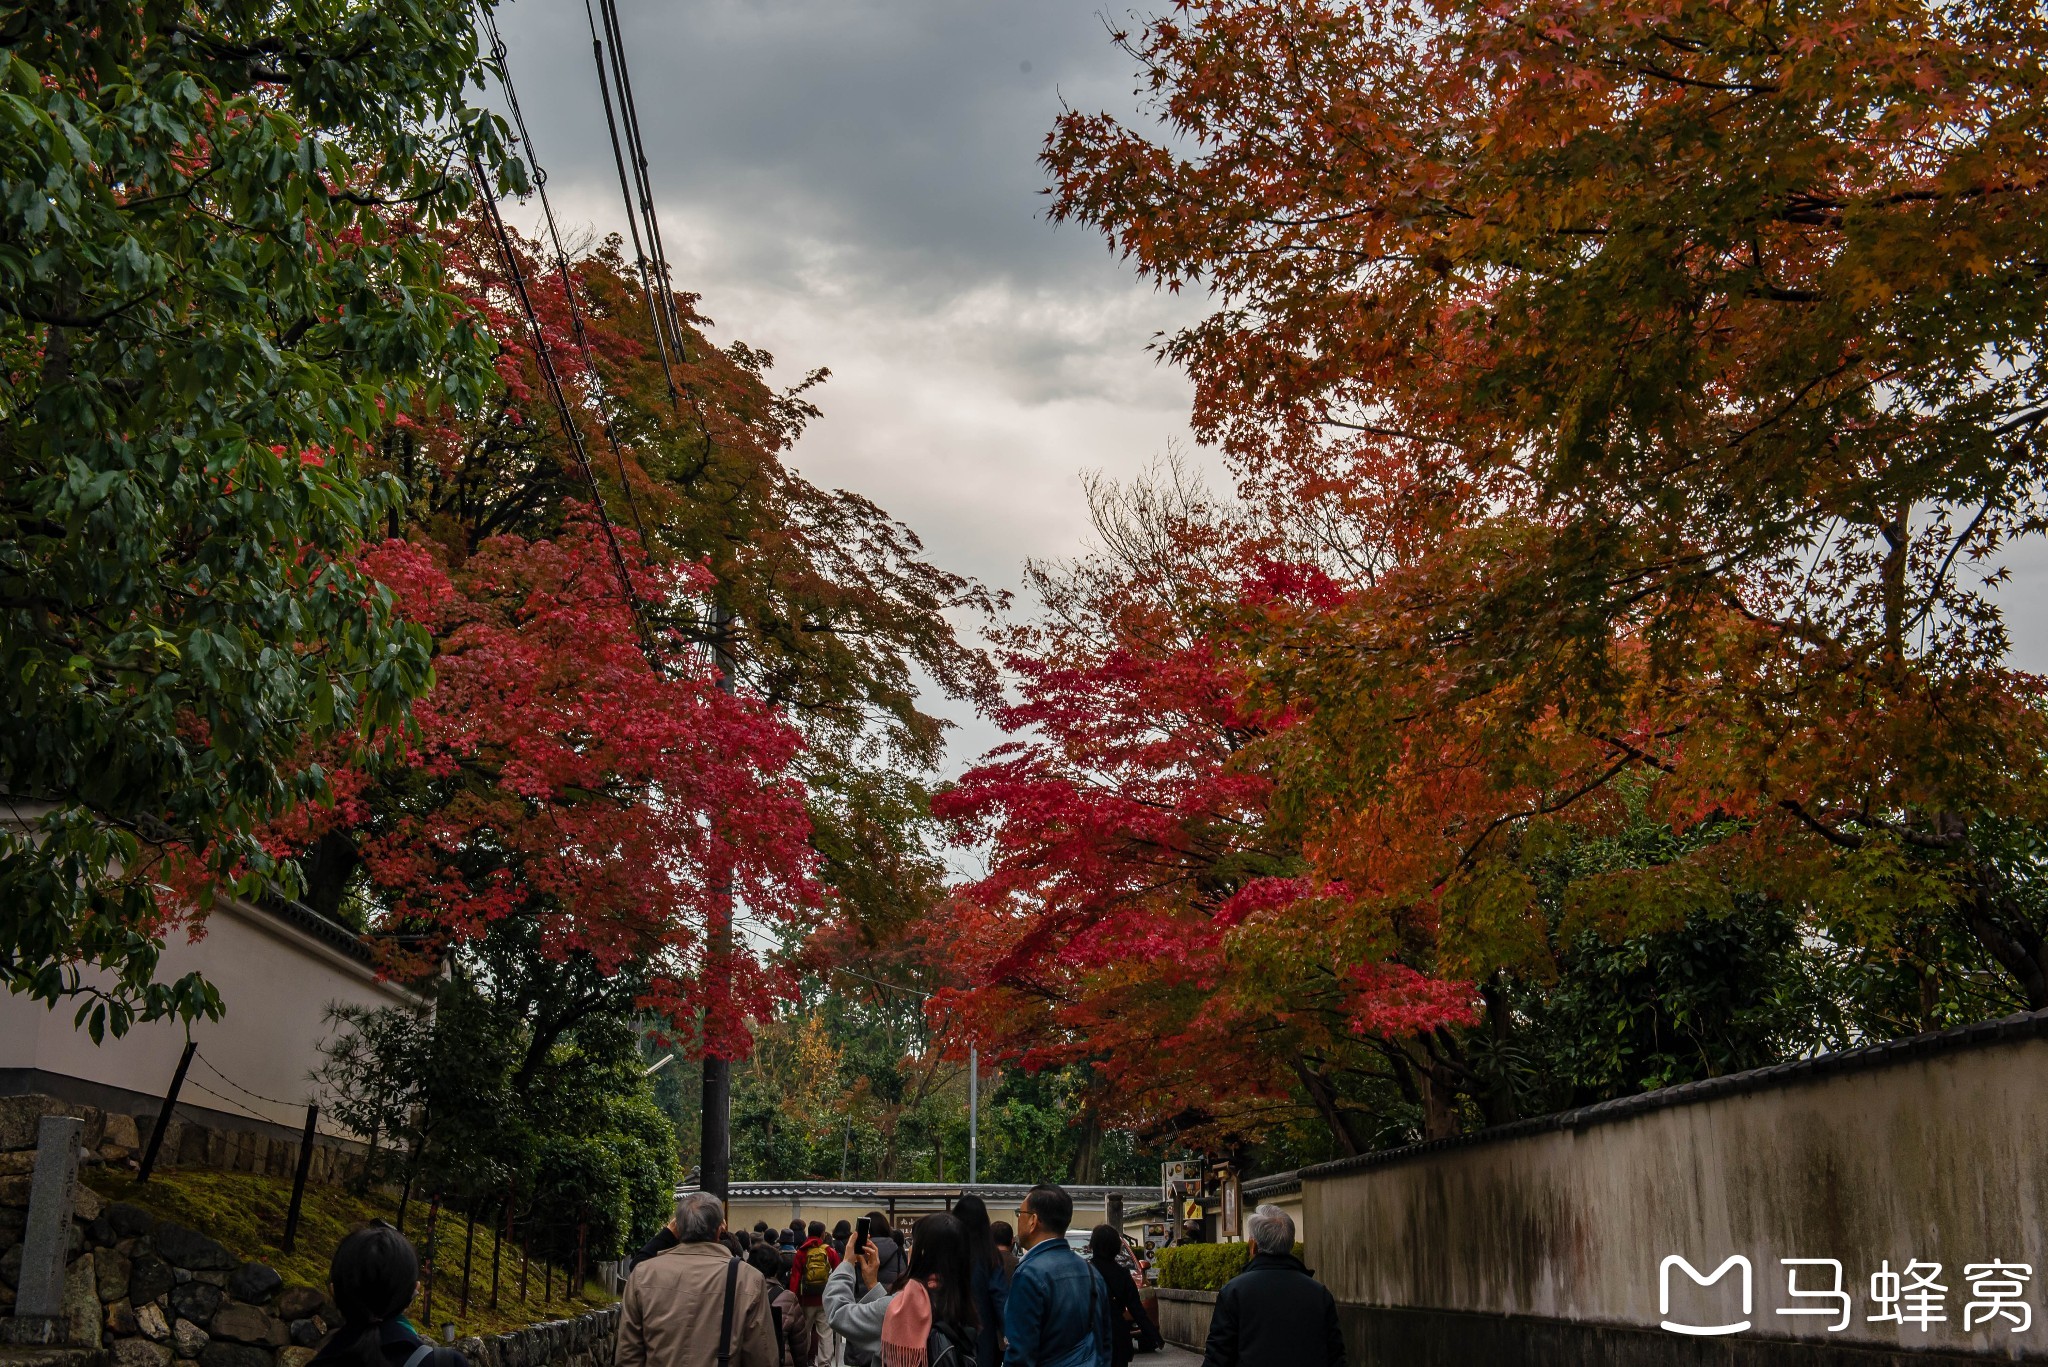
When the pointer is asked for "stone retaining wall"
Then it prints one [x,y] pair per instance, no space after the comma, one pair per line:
[144,1292]
[585,1341]
[117,1140]
[149,1293]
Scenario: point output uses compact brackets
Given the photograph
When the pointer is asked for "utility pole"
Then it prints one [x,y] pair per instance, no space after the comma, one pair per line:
[973,1113]
[715,1149]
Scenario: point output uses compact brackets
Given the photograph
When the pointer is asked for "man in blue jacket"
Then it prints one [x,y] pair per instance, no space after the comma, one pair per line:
[1057,1313]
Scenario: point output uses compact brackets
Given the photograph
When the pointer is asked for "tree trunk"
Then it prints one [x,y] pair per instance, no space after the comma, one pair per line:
[1324,1098]
[888,1168]
[1439,1099]
[1892,570]
[1500,1094]
[1086,1168]
[329,865]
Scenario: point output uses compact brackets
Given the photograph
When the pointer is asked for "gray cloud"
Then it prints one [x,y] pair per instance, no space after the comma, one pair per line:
[854,184]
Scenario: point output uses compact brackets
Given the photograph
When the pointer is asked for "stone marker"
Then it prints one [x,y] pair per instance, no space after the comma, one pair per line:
[39,1294]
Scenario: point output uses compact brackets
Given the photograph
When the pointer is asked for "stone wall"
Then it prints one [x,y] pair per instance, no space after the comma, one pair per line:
[588,1340]
[149,1293]
[144,1292]
[117,1140]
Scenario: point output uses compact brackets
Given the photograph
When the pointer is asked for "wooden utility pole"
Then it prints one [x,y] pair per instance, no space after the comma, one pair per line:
[714,1167]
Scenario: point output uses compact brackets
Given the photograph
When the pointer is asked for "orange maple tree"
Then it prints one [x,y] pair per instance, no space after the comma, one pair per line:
[1671,371]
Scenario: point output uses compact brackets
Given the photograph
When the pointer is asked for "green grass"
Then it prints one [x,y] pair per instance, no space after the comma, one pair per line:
[246,1213]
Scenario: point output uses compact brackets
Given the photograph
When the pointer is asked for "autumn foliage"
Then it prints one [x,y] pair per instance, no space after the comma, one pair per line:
[557,776]
[672,725]
[1630,403]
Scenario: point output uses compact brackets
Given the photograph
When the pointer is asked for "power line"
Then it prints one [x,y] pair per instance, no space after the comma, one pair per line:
[546,362]
[501,56]
[761,938]
[630,158]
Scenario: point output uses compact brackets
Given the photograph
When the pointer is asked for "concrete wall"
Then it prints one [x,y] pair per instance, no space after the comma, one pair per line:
[277,974]
[1933,1149]
[1184,1317]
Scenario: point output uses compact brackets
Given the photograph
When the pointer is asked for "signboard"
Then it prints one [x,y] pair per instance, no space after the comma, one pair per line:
[1229,1222]
[1180,1180]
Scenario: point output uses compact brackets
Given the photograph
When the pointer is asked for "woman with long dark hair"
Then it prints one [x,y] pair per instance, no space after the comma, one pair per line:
[931,1318]
[372,1279]
[991,1279]
[1126,1307]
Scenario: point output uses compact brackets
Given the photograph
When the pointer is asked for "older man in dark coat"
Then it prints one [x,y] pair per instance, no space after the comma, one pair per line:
[1274,1313]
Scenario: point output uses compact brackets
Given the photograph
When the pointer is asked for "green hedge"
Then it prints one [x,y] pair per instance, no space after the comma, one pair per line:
[1204,1267]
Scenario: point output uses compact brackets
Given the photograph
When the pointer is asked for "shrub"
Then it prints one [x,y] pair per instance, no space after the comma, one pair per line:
[1204,1267]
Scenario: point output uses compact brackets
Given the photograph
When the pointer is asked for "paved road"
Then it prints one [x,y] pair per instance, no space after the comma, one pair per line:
[1168,1356]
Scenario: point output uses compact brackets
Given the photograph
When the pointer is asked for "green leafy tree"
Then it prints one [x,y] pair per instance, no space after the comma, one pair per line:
[217,286]
[492,1099]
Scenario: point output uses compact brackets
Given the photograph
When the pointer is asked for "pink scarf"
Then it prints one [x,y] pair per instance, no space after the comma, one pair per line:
[907,1327]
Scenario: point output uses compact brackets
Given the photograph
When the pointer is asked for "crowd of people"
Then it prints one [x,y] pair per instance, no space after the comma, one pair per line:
[955,1289]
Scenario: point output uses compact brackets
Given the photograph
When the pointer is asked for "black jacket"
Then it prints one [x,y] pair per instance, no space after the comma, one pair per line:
[1124,1301]
[1274,1314]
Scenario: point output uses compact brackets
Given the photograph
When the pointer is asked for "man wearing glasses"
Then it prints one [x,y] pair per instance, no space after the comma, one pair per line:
[1057,1314]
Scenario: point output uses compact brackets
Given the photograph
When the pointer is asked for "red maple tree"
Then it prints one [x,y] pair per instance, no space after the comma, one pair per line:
[558,775]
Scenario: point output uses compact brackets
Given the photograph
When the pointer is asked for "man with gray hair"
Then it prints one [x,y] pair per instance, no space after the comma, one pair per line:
[692,1304]
[1274,1313]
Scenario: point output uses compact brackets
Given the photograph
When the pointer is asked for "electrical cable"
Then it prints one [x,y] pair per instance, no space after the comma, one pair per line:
[667,333]
[545,359]
[631,109]
[499,54]
[761,939]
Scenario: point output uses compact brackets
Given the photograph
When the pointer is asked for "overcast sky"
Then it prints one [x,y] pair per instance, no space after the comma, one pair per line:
[853,184]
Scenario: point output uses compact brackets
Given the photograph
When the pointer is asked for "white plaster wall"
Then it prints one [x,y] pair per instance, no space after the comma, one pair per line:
[277,984]
[1942,1157]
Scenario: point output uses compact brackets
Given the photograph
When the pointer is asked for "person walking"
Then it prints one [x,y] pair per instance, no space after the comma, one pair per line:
[991,1279]
[1057,1311]
[372,1279]
[1126,1308]
[1274,1313]
[807,1277]
[696,1305]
